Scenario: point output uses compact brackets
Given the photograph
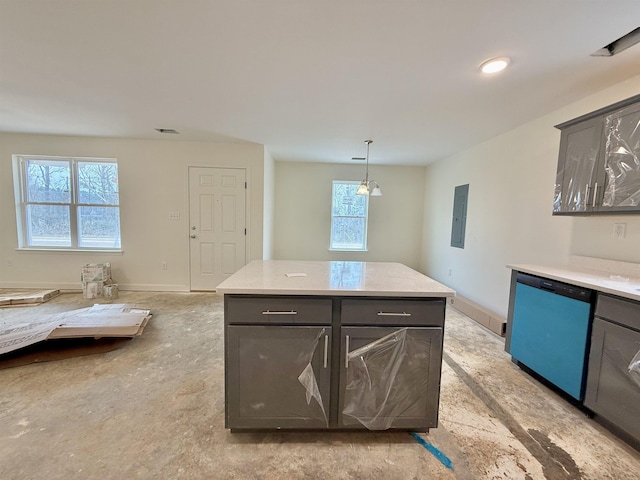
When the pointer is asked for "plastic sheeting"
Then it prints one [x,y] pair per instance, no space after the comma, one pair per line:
[574,179]
[276,376]
[385,379]
[622,162]
[634,368]
[309,381]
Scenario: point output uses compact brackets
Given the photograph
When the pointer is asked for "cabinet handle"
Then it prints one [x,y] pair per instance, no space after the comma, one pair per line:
[586,200]
[595,194]
[346,352]
[282,312]
[326,349]
[393,314]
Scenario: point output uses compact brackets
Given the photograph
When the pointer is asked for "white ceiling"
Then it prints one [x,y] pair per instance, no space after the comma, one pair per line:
[311,80]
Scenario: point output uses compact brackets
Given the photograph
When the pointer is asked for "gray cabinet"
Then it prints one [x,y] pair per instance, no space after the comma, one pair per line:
[277,377]
[622,160]
[332,362]
[598,167]
[577,175]
[613,391]
[390,377]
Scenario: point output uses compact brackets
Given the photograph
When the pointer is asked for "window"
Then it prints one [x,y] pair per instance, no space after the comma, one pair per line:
[348,217]
[67,203]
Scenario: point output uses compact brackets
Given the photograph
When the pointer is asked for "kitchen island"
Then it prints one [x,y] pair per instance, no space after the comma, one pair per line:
[332,345]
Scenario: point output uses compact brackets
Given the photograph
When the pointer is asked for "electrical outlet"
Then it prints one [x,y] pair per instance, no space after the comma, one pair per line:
[164,265]
[619,230]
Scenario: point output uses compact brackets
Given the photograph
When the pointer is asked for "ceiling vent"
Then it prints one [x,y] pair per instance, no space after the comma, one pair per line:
[168,130]
[619,45]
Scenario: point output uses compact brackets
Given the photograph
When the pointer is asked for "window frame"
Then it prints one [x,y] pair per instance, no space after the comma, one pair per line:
[364,247]
[21,188]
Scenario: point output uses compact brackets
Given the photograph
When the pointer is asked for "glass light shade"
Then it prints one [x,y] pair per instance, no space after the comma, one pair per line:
[376,192]
[363,189]
[495,65]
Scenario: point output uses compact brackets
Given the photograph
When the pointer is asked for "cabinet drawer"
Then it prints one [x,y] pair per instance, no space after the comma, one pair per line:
[277,310]
[393,312]
[624,312]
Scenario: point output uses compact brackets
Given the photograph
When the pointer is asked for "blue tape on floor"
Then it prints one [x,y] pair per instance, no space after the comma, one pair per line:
[434,451]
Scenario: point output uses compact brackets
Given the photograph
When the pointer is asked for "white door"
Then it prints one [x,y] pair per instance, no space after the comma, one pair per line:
[217,227]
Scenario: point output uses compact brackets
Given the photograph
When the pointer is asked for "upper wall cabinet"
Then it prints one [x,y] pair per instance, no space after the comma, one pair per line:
[599,162]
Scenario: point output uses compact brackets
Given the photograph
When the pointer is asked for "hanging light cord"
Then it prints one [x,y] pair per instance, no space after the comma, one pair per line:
[366,178]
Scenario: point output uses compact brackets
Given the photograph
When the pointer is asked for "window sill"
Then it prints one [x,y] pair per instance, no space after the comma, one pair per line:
[347,250]
[69,250]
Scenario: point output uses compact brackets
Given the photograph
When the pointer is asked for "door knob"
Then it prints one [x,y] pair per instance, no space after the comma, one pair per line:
[193,235]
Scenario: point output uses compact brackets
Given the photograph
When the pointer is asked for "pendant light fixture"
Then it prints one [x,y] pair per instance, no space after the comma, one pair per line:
[369,187]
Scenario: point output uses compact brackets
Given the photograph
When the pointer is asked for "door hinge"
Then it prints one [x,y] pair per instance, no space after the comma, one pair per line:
[245,185]
[245,231]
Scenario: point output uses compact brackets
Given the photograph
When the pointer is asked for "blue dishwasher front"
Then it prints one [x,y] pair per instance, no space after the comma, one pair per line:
[551,331]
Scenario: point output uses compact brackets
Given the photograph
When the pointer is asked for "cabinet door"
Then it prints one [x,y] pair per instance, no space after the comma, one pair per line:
[577,167]
[277,377]
[390,377]
[622,160]
[611,391]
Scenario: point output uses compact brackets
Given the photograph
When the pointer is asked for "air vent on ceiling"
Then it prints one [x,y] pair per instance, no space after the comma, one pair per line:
[168,130]
[617,46]
[358,159]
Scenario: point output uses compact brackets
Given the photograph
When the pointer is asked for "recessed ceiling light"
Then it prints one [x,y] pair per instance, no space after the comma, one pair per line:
[167,130]
[494,65]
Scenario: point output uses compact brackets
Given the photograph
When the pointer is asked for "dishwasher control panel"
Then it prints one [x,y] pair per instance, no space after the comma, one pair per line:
[559,288]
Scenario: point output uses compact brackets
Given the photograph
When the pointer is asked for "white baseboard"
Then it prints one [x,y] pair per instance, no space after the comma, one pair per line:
[150,287]
[76,286]
[491,320]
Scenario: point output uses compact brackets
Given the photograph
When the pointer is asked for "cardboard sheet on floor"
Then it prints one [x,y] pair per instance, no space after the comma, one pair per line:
[112,320]
[12,297]
[61,349]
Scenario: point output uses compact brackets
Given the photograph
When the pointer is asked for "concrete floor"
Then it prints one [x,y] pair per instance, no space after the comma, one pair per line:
[153,407]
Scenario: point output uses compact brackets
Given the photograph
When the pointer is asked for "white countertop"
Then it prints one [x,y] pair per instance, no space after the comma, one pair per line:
[621,285]
[288,277]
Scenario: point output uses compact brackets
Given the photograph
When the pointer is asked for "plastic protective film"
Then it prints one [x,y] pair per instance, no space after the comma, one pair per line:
[575,176]
[377,390]
[634,368]
[308,378]
[621,161]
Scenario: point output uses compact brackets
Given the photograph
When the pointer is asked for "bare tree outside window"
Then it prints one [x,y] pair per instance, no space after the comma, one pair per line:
[349,214]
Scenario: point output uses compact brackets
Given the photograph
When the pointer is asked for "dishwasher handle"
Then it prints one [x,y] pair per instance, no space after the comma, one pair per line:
[548,286]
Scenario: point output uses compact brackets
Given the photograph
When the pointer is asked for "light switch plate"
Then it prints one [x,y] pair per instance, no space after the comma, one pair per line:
[174,215]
